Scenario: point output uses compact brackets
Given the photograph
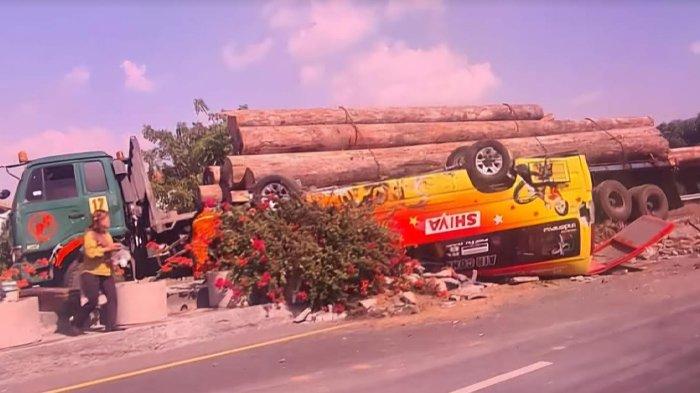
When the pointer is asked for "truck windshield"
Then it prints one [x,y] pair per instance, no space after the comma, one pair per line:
[51,183]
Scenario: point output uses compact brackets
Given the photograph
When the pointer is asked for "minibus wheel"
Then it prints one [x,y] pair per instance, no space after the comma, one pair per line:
[613,200]
[273,188]
[488,163]
[649,199]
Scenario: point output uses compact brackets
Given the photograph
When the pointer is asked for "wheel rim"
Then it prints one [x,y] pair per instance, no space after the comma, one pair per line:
[488,161]
[271,190]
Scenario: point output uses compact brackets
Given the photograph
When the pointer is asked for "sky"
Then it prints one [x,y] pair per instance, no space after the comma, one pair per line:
[84,75]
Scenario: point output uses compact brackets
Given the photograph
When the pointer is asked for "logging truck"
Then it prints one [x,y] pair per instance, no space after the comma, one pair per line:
[55,198]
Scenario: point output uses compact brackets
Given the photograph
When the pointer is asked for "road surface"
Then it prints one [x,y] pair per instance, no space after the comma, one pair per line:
[637,332]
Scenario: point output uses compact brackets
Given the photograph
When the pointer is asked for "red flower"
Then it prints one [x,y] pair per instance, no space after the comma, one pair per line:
[22,283]
[241,262]
[264,280]
[419,284]
[338,308]
[222,283]
[166,268]
[350,269]
[272,295]
[29,269]
[43,262]
[242,219]
[258,245]
[44,275]
[301,296]
[210,202]
[394,261]
[226,206]
[364,286]
[6,276]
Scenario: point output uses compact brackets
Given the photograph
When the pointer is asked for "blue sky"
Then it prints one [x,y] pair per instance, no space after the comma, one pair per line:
[84,75]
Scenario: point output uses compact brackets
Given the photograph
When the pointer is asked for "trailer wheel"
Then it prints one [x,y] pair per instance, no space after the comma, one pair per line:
[272,188]
[649,199]
[487,162]
[614,200]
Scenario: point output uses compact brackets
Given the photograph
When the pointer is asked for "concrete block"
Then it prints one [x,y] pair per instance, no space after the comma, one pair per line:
[141,302]
[20,322]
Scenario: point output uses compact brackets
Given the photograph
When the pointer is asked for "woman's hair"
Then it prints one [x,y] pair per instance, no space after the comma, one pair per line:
[97,218]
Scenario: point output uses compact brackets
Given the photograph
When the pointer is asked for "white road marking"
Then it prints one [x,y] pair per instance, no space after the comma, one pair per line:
[503,377]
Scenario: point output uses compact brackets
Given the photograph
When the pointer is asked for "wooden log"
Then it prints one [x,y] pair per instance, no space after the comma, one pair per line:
[212,175]
[340,115]
[211,193]
[307,138]
[685,156]
[322,169]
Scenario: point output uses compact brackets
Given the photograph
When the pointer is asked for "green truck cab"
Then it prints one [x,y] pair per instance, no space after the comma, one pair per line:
[53,206]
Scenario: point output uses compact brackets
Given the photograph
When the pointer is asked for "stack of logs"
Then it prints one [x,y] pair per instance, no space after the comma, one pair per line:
[326,147]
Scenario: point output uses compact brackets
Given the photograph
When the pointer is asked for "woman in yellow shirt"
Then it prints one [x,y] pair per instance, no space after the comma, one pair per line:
[97,272]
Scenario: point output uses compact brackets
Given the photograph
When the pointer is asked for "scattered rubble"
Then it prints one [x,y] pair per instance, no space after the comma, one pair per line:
[522,279]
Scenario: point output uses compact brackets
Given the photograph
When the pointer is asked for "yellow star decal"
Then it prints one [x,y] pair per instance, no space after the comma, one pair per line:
[413,221]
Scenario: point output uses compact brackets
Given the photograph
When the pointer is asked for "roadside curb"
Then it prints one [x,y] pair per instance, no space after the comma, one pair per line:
[176,332]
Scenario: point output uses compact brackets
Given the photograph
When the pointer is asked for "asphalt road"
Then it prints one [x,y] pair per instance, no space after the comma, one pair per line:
[638,332]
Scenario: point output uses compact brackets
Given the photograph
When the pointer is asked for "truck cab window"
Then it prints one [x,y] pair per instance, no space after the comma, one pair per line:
[95,180]
[35,186]
[51,183]
[59,182]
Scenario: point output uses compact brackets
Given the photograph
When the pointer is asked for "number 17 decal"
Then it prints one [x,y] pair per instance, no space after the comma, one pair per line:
[98,203]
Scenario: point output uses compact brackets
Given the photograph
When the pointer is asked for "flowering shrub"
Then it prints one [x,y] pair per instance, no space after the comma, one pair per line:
[302,252]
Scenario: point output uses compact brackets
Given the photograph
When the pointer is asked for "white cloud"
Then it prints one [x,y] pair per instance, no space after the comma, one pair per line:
[311,74]
[586,98]
[237,58]
[283,14]
[695,48]
[328,27]
[394,74]
[396,9]
[78,76]
[135,76]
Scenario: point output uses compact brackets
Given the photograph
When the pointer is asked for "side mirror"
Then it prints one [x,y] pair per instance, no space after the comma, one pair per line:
[523,171]
[4,194]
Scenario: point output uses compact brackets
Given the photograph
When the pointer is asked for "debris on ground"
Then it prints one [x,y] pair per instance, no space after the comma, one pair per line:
[522,279]
[684,240]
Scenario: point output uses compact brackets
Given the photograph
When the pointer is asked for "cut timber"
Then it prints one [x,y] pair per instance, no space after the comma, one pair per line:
[685,156]
[308,138]
[210,194]
[340,115]
[322,169]
[212,175]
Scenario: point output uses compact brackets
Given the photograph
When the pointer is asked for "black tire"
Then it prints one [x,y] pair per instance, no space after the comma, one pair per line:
[649,199]
[279,186]
[613,200]
[458,157]
[487,162]
[71,276]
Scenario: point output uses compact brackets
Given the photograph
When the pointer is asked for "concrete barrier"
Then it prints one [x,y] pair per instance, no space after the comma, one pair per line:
[141,302]
[20,322]
[218,297]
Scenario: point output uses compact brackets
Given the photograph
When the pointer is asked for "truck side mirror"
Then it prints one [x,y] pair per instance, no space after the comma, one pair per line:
[4,194]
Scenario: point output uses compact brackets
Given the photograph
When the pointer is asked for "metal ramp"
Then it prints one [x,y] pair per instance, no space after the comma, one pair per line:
[628,243]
